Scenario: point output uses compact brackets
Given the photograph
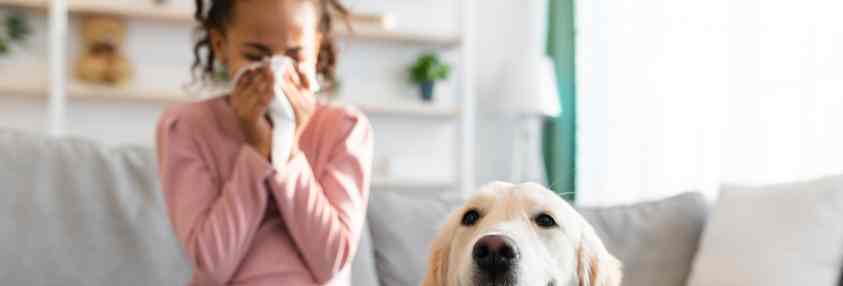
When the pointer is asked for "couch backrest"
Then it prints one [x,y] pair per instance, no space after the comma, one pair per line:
[76,213]
[656,241]
[73,212]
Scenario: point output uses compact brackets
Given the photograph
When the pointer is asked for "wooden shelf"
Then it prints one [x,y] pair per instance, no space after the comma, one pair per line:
[89,92]
[104,93]
[31,4]
[142,11]
[365,27]
[405,109]
[413,38]
[81,91]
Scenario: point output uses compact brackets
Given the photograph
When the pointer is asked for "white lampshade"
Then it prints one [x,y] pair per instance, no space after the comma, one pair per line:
[529,88]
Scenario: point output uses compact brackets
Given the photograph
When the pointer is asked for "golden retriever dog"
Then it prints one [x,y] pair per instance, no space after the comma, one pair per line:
[519,235]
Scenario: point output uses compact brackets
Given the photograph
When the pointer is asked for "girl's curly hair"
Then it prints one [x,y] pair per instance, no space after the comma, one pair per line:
[216,14]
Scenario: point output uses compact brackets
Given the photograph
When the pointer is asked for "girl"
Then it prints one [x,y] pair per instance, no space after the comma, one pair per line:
[243,217]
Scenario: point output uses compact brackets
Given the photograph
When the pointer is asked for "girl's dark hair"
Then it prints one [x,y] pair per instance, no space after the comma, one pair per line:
[220,13]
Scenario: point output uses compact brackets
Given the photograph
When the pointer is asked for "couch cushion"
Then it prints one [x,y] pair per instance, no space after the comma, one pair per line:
[787,234]
[76,213]
[363,271]
[656,241]
[403,227]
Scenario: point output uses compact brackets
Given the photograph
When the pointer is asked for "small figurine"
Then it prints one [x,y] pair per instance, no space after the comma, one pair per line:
[102,60]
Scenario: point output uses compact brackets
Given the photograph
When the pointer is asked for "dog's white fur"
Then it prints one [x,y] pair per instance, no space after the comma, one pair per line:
[569,254]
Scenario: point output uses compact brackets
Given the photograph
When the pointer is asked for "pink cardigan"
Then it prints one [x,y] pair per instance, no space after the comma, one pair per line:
[242,222]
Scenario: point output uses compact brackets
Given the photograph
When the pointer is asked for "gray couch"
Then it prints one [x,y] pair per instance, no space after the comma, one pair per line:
[73,212]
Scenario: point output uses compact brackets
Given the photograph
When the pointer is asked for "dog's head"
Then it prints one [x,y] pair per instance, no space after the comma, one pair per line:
[519,235]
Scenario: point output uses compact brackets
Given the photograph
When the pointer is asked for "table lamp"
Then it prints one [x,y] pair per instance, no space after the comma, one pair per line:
[529,93]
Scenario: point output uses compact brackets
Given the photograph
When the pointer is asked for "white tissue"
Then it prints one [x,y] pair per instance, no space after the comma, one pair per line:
[280,110]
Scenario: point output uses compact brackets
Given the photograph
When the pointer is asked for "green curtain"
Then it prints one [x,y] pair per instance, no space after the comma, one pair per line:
[560,132]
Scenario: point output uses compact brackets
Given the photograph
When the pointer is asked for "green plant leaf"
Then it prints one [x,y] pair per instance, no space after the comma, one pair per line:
[17,27]
[429,68]
[4,47]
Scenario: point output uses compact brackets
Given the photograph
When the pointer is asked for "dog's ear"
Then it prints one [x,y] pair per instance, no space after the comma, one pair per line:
[437,265]
[595,266]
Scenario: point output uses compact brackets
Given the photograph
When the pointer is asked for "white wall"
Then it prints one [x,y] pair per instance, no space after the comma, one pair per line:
[786,91]
[500,41]
[26,63]
[651,81]
[677,95]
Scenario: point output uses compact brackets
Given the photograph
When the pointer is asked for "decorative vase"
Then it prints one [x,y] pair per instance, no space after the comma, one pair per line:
[427,91]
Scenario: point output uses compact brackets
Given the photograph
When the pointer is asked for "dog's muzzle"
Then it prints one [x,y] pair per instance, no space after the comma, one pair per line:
[495,256]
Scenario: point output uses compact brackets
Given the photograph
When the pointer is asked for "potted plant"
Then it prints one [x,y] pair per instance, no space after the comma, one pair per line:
[426,71]
[16,30]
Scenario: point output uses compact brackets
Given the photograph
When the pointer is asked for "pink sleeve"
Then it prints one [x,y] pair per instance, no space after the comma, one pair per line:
[214,220]
[325,212]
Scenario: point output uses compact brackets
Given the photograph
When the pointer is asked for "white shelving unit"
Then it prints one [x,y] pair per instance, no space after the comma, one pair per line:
[59,90]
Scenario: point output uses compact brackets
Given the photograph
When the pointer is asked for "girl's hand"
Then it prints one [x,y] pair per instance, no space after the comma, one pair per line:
[250,100]
[297,87]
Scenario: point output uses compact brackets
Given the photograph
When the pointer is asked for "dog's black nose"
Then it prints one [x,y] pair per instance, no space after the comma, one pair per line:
[495,254]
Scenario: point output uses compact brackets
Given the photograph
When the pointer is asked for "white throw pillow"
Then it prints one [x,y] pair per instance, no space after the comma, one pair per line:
[787,234]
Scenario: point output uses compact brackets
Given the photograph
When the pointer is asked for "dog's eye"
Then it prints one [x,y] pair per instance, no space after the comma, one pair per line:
[544,221]
[470,218]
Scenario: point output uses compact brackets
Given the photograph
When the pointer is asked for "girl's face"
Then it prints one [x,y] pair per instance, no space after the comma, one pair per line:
[263,28]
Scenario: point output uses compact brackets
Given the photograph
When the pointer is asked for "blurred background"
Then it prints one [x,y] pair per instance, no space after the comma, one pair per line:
[615,101]
[696,117]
